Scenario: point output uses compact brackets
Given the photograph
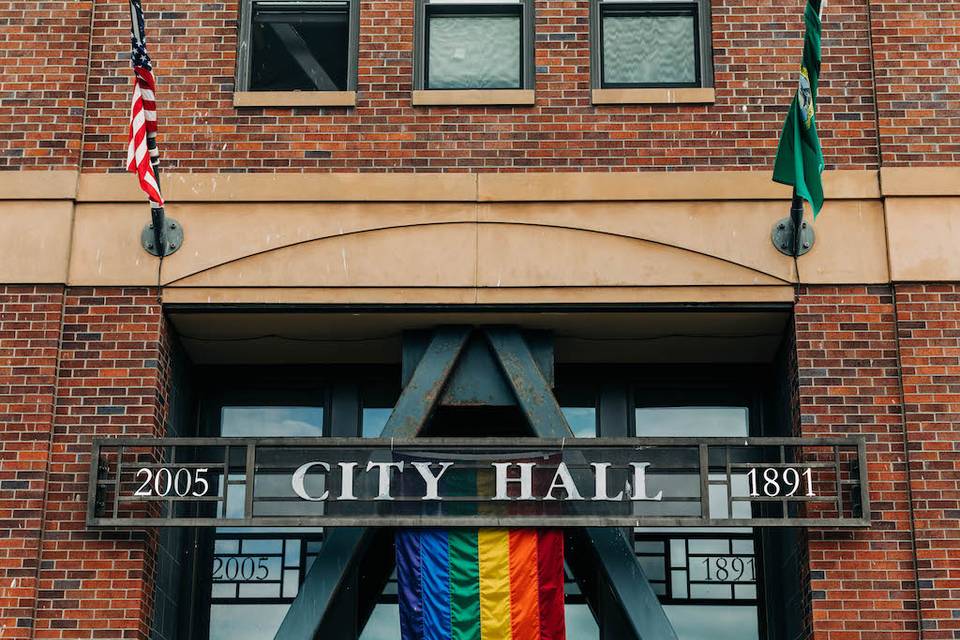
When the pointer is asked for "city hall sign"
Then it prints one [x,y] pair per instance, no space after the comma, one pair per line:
[616,482]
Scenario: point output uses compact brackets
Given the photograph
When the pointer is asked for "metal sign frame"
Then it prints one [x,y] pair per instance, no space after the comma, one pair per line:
[850,489]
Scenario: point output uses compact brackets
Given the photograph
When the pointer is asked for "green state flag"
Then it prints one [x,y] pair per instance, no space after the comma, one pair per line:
[799,160]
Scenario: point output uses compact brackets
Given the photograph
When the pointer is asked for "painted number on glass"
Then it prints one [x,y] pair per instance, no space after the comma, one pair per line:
[780,483]
[246,569]
[166,482]
[724,569]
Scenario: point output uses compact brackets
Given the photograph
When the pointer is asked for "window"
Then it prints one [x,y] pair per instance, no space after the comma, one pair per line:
[708,580]
[470,45]
[255,573]
[302,45]
[651,44]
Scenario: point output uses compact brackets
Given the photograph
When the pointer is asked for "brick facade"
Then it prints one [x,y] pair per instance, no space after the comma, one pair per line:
[109,378]
[929,329]
[879,360]
[863,583]
[44,49]
[30,320]
[756,52]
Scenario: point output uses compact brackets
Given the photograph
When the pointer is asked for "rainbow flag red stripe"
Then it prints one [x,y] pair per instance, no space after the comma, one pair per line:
[491,584]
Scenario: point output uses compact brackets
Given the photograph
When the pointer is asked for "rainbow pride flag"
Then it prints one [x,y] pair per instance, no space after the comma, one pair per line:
[491,584]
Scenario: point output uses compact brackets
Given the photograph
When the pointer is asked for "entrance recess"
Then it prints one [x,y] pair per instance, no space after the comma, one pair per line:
[353,564]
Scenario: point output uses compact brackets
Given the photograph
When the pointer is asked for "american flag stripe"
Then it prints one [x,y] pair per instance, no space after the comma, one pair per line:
[138,156]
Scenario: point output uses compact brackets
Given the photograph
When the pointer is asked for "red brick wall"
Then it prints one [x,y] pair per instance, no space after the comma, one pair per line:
[111,382]
[29,338]
[44,114]
[757,56]
[863,581]
[44,50]
[929,330]
[917,61]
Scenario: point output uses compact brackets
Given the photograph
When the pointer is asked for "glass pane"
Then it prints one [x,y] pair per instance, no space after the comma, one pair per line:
[648,49]
[374,420]
[384,623]
[692,422]
[714,623]
[473,52]
[582,420]
[299,49]
[245,622]
[272,421]
[580,623]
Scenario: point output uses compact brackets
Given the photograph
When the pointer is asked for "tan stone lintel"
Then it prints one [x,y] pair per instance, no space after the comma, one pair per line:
[466,296]
[38,185]
[295,98]
[455,97]
[920,181]
[286,187]
[470,187]
[664,185]
[654,96]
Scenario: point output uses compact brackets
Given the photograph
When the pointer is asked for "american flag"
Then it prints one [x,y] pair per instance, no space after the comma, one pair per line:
[143,157]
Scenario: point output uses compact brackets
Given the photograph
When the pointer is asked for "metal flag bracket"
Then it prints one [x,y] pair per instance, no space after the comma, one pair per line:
[792,236]
[162,232]
[784,239]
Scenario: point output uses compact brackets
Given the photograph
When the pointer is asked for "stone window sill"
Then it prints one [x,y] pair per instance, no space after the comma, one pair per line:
[295,99]
[468,97]
[654,96]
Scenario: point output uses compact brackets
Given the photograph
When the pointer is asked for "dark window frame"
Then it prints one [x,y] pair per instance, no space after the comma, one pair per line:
[703,39]
[245,43]
[424,9]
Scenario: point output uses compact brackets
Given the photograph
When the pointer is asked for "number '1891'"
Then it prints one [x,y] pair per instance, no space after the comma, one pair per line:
[780,483]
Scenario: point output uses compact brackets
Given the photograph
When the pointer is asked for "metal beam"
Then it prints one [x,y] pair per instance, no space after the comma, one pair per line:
[419,397]
[619,567]
[332,578]
[313,612]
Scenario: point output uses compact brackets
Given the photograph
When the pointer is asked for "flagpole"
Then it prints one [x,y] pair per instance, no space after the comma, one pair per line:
[156,213]
[154,237]
[796,218]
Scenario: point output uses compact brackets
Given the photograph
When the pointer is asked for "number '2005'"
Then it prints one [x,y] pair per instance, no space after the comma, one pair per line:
[166,482]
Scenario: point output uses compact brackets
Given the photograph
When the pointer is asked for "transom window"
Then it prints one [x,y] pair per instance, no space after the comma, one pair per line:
[474,45]
[651,44]
[302,45]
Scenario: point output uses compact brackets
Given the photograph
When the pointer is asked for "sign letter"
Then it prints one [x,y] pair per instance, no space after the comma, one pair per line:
[346,480]
[432,481]
[384,468]
[566,483]
[600,482]
[640,483]
[525,480]
[297,481]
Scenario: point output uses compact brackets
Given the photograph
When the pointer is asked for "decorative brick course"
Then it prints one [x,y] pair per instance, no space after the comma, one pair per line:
[862,582]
